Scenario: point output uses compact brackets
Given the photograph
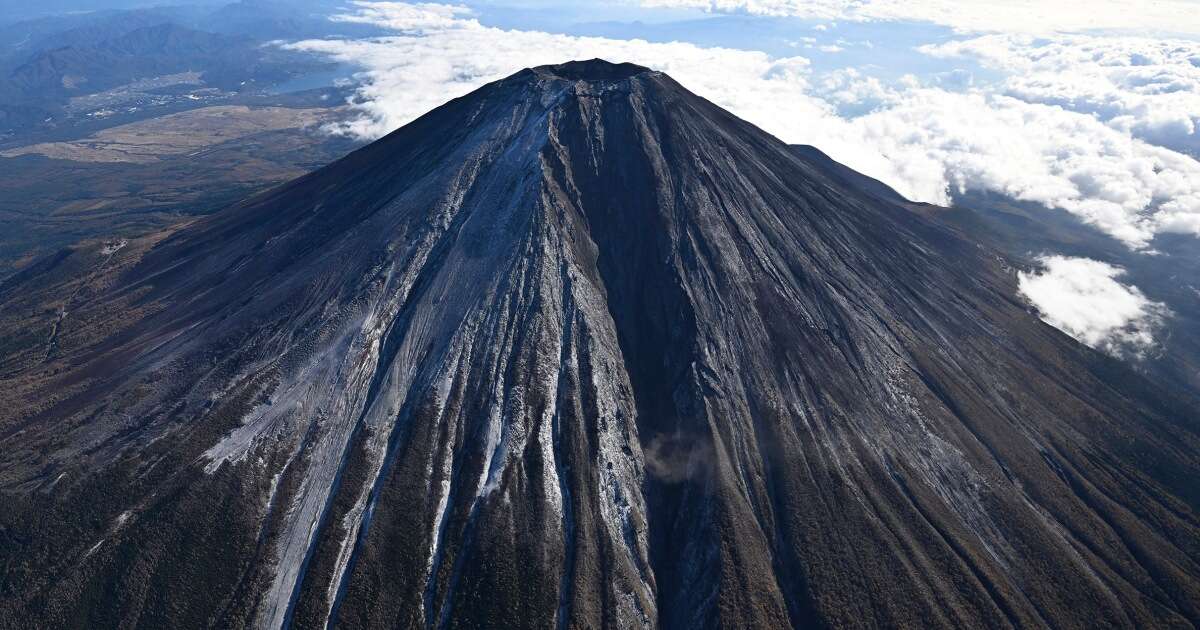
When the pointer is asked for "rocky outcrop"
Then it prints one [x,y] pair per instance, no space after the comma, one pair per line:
[581,349]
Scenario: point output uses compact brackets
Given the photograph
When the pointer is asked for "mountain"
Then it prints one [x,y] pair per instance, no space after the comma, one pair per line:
[129,67]
[262,20]
[65,75]
[45,9]
[20,40]
[578,349]
[143,52]
[138,54]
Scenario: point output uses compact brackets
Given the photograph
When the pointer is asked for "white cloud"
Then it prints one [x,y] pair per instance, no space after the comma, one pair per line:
[851,87]
[410,17]
[409,74]
[1148,87]
[1128,188]
[1083,298]
[1018,16]
[924,141]
[413,72]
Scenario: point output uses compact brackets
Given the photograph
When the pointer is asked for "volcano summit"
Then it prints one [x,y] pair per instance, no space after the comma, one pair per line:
[579,350]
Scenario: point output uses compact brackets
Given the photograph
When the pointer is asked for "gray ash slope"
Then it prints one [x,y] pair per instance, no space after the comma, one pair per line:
[579,349]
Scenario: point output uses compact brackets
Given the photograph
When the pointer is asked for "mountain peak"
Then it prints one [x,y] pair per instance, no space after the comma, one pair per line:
[592,70]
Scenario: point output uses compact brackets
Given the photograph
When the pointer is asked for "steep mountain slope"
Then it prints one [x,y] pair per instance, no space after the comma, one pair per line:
[1024,232]
[579,349]
[1171,275]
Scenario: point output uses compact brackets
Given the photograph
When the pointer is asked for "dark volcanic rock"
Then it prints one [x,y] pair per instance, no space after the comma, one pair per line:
[579,349]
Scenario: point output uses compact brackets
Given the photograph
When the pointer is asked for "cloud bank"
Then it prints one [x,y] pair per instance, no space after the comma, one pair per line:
[1124,186]
[1083,298]
[1019,16]
[926,139]
[1149,87]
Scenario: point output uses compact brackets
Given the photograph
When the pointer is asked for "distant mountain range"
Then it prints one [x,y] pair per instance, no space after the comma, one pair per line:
[82,9]
[144,52]
[45,61]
